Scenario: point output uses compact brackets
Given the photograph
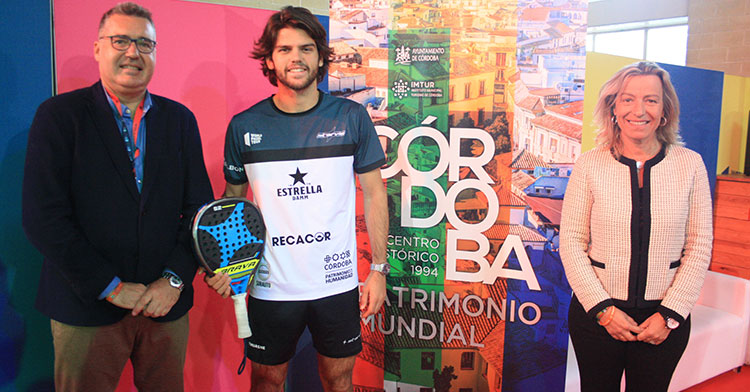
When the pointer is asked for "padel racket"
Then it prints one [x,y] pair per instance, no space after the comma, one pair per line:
[229,235]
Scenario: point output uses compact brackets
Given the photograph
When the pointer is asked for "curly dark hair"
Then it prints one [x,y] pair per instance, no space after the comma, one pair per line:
[297,18]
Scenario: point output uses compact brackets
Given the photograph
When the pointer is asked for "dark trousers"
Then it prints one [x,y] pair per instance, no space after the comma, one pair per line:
[602,359]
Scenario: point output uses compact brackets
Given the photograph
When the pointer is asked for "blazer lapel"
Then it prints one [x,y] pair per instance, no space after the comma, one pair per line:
[107,129]
[156,128]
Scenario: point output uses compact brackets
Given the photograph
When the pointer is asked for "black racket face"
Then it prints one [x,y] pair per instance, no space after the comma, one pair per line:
[229,235]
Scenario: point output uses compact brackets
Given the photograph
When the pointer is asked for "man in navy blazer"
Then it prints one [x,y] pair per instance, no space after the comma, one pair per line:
[112,179]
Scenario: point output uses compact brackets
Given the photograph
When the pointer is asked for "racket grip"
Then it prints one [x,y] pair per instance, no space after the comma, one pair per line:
[240,313]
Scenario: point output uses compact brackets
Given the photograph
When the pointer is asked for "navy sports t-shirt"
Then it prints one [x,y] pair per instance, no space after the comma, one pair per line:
[301,168]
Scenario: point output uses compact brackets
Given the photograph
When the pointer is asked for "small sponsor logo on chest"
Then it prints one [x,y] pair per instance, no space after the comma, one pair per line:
[330,134]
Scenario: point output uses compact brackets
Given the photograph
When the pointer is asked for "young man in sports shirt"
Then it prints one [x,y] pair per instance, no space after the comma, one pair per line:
[299,150]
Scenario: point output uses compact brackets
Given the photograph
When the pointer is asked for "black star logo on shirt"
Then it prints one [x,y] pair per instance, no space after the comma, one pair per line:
[298,177]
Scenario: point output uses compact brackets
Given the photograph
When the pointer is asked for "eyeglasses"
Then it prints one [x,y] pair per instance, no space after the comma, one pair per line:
[122,42]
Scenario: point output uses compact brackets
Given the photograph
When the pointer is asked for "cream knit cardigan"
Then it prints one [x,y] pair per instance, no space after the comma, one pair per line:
[596,222]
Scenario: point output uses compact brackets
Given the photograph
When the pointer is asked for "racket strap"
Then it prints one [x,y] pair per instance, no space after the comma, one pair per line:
[244,358]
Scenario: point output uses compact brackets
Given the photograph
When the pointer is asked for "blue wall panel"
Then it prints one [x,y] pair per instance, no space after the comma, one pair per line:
[25,81]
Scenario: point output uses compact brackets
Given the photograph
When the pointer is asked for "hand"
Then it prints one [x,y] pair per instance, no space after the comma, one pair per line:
[373,294]
[158,299]
[129,295]
[220,282]
[622,327]
[655,330]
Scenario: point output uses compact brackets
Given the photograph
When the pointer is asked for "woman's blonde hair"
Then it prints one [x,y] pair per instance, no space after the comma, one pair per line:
[609,132]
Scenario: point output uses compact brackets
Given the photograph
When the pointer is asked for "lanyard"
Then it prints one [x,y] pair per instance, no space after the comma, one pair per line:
[134,145]
[133,150]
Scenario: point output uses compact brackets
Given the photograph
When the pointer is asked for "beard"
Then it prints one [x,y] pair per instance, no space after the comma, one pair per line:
[298,84]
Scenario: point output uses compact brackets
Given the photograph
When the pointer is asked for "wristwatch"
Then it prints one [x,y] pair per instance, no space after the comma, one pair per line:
[173,280]
[383,268]
[671,323]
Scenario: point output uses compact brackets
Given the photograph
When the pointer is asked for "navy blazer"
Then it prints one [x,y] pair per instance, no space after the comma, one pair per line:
[83,212]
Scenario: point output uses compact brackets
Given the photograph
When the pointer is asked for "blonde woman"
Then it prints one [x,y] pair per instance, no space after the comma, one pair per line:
[636,235]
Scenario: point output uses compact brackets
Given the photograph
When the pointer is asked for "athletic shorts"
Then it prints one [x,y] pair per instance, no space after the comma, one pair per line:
[277,325]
